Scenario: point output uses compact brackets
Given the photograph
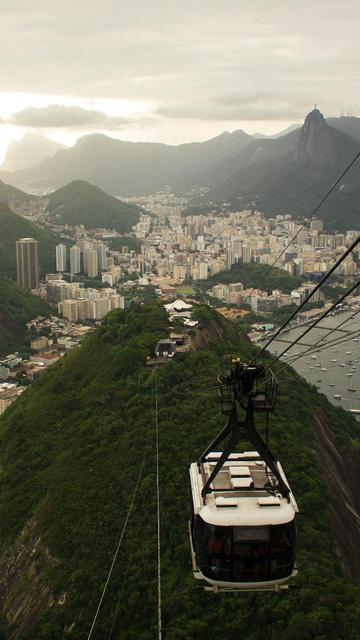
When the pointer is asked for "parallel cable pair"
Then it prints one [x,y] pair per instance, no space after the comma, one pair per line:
[267,367]
[333,343]
[310,327]
[318,346]
[311,294]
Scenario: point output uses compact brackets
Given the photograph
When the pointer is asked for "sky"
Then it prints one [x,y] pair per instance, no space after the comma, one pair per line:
[166,71]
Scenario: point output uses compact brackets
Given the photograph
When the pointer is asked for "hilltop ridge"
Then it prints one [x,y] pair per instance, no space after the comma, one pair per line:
[80,202]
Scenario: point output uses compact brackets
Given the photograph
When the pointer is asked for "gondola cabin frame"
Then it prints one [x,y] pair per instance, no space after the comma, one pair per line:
[243,533]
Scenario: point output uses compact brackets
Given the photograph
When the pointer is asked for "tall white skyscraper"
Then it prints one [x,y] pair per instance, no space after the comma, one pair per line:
[75,259]
[91,263]
[101,253]
[60,258]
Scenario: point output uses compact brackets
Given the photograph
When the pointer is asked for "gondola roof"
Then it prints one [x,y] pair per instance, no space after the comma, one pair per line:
[238,495]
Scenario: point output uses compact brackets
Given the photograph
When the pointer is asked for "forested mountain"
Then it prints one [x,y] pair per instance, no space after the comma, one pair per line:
[130,168]
[13,227]
[17,307]
[29,150]
[71,449]
[81,203]
[292,174]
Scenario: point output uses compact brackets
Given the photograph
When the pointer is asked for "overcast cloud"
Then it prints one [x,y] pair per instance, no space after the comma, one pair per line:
[197,67]
[57,116]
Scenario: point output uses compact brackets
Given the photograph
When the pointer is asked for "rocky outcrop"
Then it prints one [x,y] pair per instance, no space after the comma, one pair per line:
[212,331]
[312,136]
[22,590]
[342,473]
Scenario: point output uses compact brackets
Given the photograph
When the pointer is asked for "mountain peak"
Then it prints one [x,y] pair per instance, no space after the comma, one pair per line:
[30,149]
[315,117]
[313,127]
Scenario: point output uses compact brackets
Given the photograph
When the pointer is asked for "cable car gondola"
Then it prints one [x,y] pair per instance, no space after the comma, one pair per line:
[242,524]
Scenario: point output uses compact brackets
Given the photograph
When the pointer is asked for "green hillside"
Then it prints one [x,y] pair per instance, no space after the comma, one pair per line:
[17,307]
[81,203]
[13,227]
[14,197]
[255,275]
[70,452]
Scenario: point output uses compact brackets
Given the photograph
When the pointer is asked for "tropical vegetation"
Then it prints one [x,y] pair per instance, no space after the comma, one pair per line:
[71,452]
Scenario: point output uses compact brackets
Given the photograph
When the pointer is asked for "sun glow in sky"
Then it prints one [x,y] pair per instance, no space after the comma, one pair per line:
[141,121]
[133,112]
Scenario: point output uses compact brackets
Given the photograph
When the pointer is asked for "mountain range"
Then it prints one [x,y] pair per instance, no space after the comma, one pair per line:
[289,173]
[129,168]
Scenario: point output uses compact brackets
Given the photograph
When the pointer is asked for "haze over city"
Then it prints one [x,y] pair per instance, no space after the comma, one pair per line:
[173,72]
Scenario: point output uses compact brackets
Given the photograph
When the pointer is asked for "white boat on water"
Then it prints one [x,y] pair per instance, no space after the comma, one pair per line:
[337,396]
[332,384]
[323,369]
[348,353]
[334,360]
[355,411]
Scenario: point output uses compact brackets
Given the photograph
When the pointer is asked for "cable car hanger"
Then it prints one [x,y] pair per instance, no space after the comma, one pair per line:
[241,386]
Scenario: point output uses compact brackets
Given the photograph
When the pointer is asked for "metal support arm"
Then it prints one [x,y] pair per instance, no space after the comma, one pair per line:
[237,430]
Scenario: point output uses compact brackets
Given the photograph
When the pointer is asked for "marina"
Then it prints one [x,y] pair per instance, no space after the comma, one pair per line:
[340,375]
